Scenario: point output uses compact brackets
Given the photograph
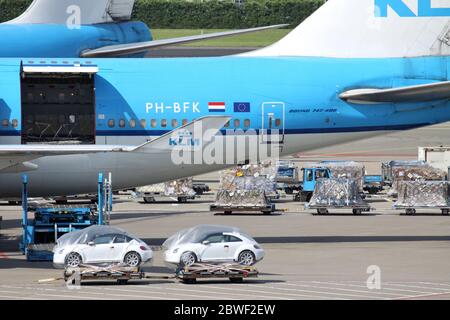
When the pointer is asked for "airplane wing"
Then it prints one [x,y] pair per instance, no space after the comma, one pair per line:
[17,158]
[138,47]
[416,93]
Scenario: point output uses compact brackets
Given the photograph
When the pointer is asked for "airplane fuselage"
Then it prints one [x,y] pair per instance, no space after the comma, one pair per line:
[62,41]
[137,99]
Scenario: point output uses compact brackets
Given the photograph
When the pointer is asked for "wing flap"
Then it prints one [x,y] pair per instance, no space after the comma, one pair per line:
[416,93]
[139,47]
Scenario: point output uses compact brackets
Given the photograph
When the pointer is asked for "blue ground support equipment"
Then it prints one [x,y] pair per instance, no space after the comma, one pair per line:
[52,221]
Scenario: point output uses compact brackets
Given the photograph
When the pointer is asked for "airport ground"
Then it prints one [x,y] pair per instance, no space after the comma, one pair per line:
[307,256]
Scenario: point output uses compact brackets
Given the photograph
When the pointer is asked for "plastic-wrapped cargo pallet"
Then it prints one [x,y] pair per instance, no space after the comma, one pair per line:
[422,194]
[181,187]
[336,192]
[348,170]
[418,172]
[247,185]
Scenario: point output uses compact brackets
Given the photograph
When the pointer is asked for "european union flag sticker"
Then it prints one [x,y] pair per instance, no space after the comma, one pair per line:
[241,107]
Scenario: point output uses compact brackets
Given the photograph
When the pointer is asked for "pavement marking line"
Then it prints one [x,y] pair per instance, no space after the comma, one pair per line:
[371,294]
[318,292]
[244,294]
[420,287]
[433,283]
[28,289]
[424,295]
[361,286]
[112,294]
[192,290]
[21,298]
[3,255]
[260,291]
[163,293]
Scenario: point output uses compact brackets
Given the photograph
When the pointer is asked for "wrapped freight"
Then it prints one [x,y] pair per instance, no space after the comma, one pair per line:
[422,194]
[181,187]
[419,172]
[248,185]
[336,192]
[347,170]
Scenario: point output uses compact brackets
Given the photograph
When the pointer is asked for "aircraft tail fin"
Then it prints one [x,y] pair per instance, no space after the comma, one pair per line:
[75,11]
[369,29]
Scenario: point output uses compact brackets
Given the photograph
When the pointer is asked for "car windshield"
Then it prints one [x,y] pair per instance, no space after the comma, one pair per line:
[202,233]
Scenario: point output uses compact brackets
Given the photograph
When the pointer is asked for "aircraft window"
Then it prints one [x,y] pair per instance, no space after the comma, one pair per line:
[174,123]
[163,123]
[153,123]
[185,122]
[247,123]
[122,123]
[143,123]
[111,123]
[133,123]
[15,123]
[227,125]
[5,123]
[237,123]
[278,122]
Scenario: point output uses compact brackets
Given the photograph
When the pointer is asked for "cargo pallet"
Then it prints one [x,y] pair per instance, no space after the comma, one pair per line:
[356,210]
[412,210]
[150,197]
[121,273]
[265,209]
[236,273]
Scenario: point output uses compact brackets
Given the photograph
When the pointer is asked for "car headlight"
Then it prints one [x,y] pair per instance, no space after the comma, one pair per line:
[175,250]
[257,247]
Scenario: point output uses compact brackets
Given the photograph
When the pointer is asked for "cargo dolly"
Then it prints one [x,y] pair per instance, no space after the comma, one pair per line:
[235,272]
[324,209]
[268,208]
[413,210]
[116,272]
[121,273]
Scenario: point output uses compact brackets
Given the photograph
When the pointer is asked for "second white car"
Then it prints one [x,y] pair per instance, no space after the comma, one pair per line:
[211,244]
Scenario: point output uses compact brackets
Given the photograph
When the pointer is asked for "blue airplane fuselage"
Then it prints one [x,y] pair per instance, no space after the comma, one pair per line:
[140,98]
[307,90]
[56,40]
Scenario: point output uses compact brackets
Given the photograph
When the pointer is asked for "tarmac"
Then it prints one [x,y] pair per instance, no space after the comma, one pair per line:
[307,256]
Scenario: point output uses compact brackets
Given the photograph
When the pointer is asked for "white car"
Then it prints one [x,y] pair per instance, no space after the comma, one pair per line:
[100,245]
[211,244]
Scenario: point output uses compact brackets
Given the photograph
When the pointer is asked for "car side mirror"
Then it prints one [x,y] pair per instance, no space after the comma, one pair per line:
[91,243]
[206,242]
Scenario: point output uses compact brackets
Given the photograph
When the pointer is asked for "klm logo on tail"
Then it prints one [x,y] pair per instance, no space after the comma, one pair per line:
[424,9]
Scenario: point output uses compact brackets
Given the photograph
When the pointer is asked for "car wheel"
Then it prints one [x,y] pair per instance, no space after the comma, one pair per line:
[188,259]
[132,259]
[73,260]
[246,258]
